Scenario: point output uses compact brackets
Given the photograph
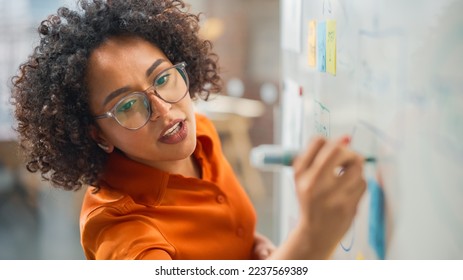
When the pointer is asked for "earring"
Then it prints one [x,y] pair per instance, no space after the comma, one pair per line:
[103,147]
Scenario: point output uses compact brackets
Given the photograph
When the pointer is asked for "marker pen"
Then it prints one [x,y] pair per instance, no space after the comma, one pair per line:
[268,156]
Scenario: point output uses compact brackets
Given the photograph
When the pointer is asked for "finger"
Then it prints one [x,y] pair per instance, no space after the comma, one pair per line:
[358,191]
[264,251]
[333,156]
[353,198]
[344,140]
[348,201]
[354,192]
[306,159]
[263,254]
[351,174]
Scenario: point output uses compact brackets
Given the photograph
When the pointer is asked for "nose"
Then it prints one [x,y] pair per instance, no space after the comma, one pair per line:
[159,107]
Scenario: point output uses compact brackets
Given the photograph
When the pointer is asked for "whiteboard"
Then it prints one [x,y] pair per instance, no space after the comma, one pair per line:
[395,86]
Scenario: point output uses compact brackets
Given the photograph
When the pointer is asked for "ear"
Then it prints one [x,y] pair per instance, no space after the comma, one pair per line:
[97,136]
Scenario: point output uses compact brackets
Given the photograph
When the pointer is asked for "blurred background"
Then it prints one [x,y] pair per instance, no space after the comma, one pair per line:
[39,222]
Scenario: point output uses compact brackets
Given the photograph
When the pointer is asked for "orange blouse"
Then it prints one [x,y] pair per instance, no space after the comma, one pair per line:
[143,213]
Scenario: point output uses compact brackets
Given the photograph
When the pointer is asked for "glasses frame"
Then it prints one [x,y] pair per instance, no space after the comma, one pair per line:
[179,66]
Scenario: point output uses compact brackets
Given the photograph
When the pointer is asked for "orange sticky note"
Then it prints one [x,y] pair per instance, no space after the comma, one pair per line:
[312,43]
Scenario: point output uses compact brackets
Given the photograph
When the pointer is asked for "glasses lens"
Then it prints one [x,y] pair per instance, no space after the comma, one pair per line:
[133,111]
[171,84]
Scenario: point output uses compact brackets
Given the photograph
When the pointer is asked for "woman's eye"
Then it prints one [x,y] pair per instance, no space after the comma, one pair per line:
[124,107]
[162,80]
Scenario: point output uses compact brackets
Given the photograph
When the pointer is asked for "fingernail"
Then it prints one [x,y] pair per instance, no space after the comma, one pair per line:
[346,140]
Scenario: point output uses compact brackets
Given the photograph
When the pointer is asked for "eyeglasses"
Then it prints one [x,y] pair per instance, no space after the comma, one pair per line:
[134,110]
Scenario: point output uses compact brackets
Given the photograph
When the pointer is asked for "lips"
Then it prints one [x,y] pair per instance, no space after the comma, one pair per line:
[174,133]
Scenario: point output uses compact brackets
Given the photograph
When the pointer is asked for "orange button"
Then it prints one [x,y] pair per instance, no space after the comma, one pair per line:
[220,199]
[240,232]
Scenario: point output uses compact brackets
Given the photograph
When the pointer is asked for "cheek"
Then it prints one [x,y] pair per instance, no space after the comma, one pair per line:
[119,138]
[187,105]
[115,134]
[129,143]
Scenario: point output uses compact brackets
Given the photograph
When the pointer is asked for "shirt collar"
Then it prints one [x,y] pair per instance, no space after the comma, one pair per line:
[143,183]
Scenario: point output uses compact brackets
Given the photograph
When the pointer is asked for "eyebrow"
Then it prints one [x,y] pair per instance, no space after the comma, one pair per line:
[120,91]
[154,66]
[114,94]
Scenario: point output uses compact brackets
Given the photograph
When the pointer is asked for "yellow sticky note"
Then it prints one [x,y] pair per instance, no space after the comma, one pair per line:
[331,47]
[312,43]
[359,256]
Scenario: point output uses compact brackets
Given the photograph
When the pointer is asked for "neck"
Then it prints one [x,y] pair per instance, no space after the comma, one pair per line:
[190,168]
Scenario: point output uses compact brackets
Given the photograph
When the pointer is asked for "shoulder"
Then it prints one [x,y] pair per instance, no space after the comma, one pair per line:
[113,227]
[104,200]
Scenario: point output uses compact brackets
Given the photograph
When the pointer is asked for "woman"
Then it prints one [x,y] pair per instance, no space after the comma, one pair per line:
[106,101]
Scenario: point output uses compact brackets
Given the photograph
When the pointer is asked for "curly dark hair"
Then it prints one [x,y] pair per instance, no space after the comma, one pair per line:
[50,95]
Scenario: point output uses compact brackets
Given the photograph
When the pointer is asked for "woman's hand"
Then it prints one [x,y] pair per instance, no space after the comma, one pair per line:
[263,247]
[329,184]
